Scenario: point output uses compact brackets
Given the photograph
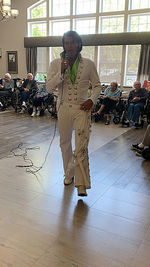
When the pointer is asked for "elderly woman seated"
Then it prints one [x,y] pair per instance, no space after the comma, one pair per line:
[7,85]
[110,99]
[28,87]
[6,88]
[38,100]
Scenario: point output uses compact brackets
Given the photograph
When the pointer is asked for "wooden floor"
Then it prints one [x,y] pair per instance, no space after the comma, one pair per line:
[44,224]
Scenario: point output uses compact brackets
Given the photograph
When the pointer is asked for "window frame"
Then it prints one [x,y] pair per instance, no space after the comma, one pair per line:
[29,10]
[126,13]
[113,16]
[102,11]
[35,23]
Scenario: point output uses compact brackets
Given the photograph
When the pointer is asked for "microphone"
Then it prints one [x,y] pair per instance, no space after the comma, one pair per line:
[66,58]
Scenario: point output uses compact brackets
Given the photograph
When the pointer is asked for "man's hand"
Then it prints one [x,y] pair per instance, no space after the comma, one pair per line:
[26,89]
[1,86]
[64,65]
[136,99]
[87,105]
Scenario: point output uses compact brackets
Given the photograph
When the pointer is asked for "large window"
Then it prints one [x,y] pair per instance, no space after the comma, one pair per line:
[140,4]
[59,26]
[42,63]
[39,10]
[111,24]
[110,58]
[84,26]
[84,6]
[118,63]
[112,5]
[132,59]
[139,23]
[59,8]
[37,29]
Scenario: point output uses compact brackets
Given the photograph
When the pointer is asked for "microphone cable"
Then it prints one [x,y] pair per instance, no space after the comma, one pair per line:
[35,169]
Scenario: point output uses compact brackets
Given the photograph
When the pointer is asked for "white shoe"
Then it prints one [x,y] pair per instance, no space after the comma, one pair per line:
[38,113]
[22,110]
[24,104]
[33,114]
[68,181]
[82,191]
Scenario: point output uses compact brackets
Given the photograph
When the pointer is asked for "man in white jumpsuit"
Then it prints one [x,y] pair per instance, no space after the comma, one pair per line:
[71,75]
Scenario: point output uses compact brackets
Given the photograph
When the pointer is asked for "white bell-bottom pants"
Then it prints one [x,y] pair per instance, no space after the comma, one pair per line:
[76,163]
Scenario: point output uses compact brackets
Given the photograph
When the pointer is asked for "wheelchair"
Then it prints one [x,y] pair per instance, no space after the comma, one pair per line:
[145,114]
[147,110]
[117,112]
[5,99]
[16,101]
[8,98]
[49,103]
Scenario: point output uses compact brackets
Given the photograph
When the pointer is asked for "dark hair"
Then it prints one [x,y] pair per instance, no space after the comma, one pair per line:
[75,36]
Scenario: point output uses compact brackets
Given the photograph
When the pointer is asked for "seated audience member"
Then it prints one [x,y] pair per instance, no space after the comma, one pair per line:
[145,142]
[27,88]
[136,101]
[110,99]
[146,85]
[38,99]
[7,85]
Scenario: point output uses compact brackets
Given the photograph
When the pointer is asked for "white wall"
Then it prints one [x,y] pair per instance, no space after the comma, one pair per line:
[12,33]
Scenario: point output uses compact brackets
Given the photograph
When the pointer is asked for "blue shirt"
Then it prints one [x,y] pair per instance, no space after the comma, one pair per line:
[112,94]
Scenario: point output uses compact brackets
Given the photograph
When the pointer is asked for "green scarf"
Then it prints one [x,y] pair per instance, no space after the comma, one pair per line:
[73,72]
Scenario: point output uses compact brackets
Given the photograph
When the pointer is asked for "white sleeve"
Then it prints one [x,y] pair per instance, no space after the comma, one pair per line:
[96,86]
[54,76]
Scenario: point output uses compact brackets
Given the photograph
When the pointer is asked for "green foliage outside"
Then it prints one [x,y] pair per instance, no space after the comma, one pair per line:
[41,77]
[37,31]
[39,11]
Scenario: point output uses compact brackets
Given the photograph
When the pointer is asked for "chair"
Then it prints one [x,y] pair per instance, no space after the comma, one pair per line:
[117,112]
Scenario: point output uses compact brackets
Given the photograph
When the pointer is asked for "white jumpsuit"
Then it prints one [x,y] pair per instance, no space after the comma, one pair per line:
[70,116]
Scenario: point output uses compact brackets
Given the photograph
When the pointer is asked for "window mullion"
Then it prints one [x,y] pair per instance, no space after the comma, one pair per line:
[126,16]
[71,15]
[48,17]
[123,66]
[97,16]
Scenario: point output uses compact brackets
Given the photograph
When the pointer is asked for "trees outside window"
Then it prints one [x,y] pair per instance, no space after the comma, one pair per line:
[111,24]
[38,10]
[139,4]
[37,29]
[112,5]
[84,6]
[139,23]
[110,58]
